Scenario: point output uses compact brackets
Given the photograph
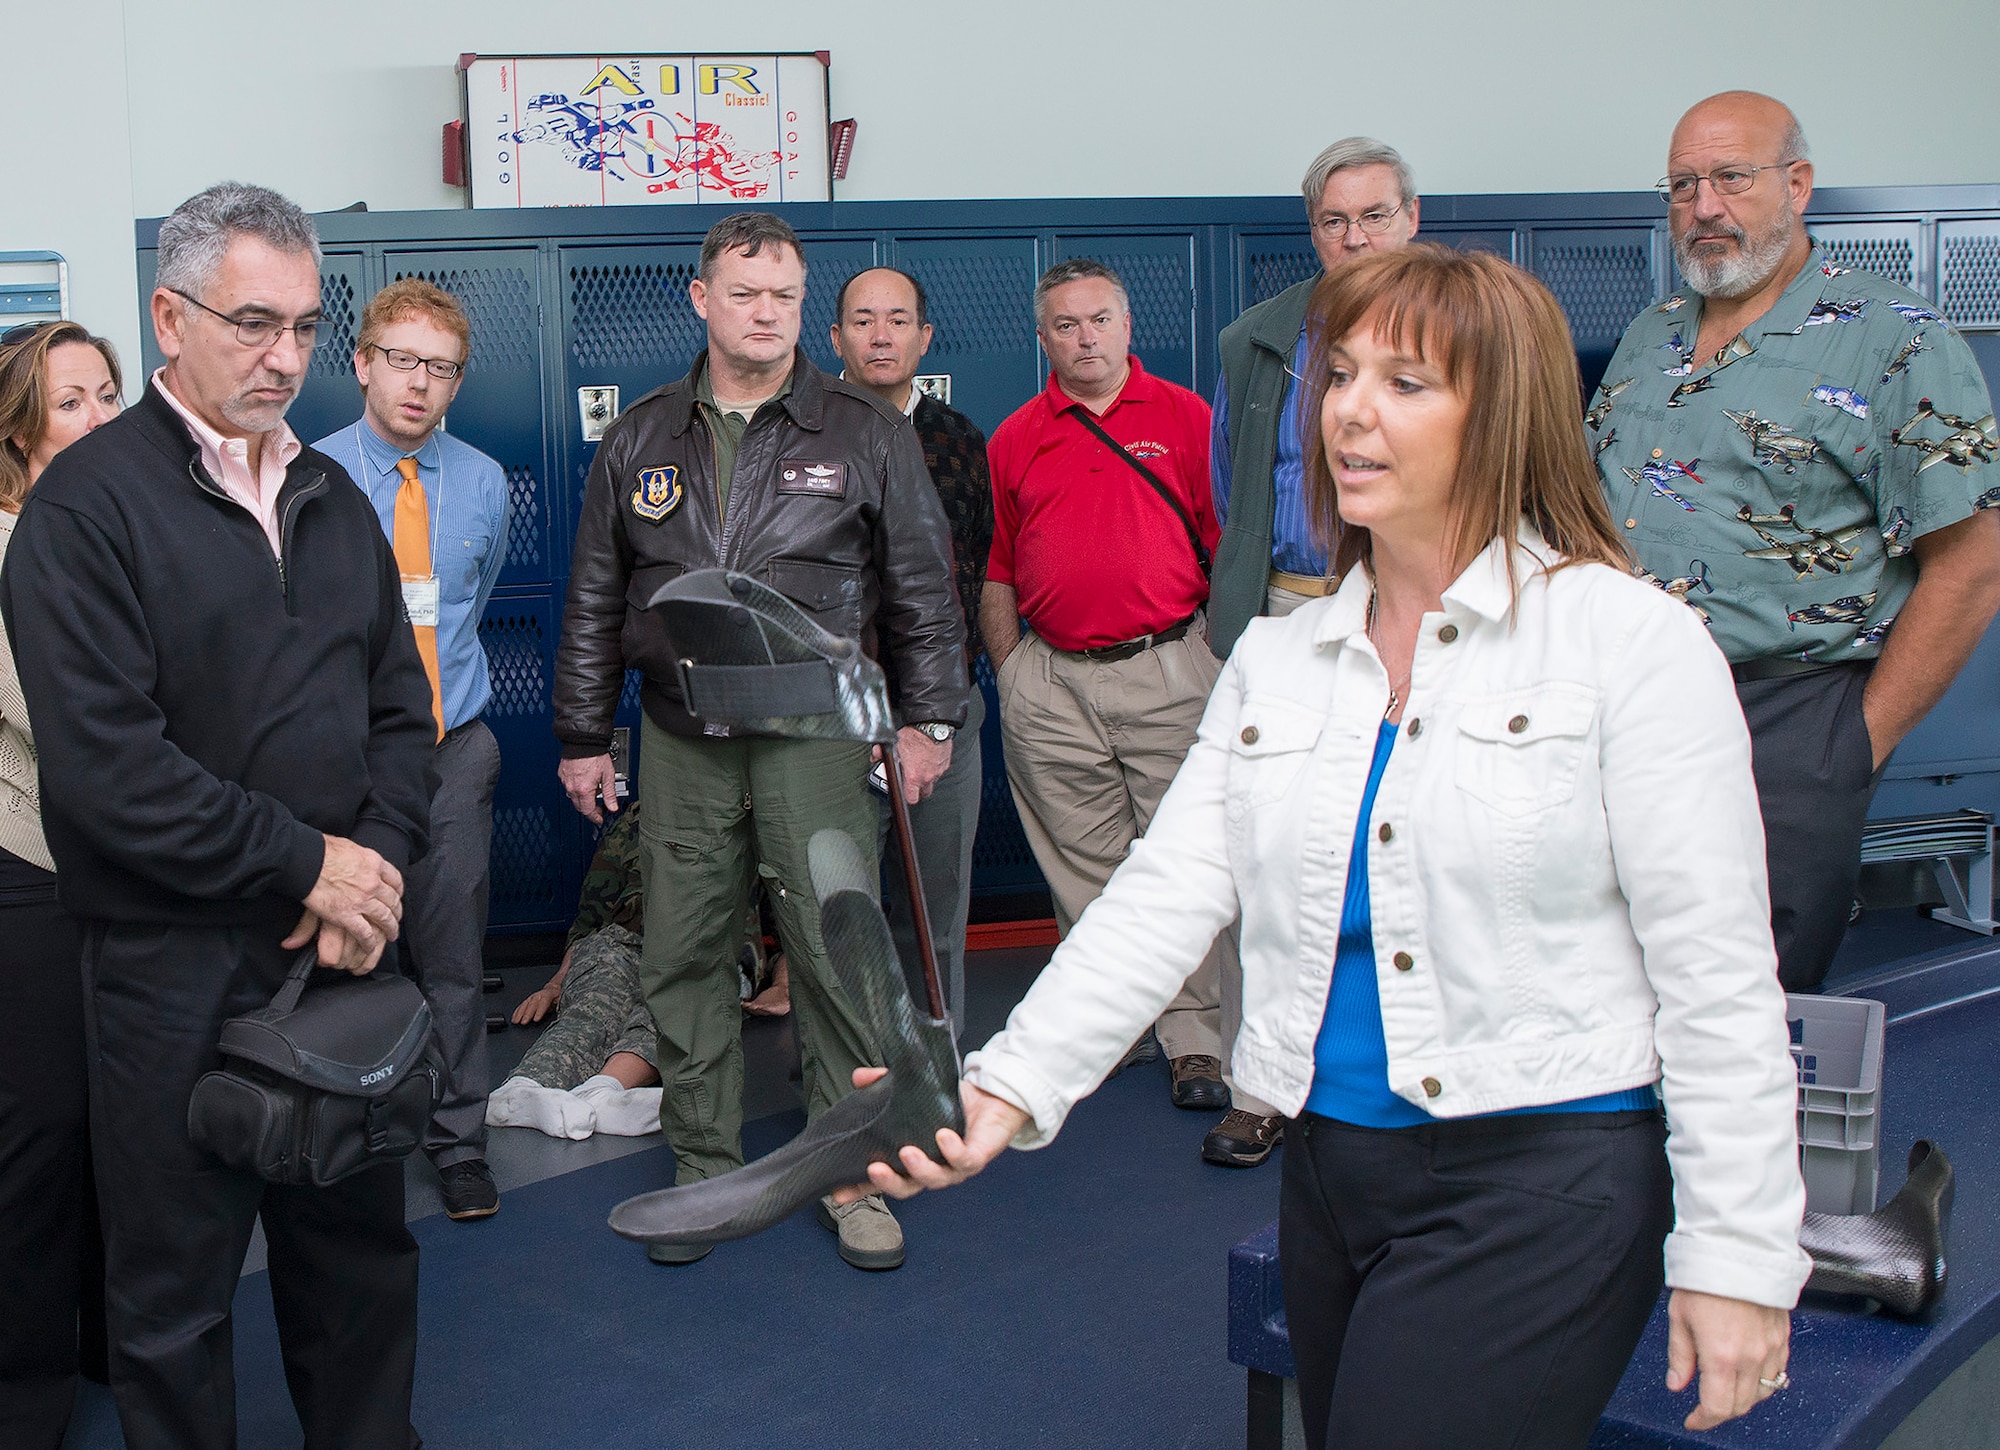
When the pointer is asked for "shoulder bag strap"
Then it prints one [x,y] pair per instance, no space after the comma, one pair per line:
[1083,416]
[288,996]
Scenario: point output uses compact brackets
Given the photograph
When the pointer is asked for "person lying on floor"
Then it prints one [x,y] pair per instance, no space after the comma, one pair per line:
[597,1068]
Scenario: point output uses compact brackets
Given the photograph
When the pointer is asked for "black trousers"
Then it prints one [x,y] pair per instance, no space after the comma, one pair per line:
[1815,772]
[343,1268]
[51,1258]
[1473,1284]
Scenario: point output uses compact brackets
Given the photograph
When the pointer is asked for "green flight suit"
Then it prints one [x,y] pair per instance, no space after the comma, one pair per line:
[715,813]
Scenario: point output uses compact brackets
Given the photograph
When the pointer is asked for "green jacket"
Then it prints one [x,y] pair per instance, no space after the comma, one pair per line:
[1255,349]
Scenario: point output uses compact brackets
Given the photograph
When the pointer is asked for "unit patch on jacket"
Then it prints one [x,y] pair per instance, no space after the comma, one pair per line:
[827,480]
[658,493]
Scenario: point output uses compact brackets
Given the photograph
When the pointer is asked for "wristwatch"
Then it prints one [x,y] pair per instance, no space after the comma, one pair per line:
[937,730]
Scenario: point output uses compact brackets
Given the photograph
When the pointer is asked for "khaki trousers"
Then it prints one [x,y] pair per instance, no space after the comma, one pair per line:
[1280,601]
[1091,748]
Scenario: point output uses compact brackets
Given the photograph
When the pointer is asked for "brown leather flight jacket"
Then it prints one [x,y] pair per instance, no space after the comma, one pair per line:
[829,503]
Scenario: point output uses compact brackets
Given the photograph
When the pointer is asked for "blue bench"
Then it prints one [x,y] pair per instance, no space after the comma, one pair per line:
[1855,1377]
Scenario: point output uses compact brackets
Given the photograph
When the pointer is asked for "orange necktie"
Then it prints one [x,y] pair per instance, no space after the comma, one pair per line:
[413,561]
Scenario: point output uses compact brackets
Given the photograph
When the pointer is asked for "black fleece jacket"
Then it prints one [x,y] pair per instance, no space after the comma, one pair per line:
[202,710]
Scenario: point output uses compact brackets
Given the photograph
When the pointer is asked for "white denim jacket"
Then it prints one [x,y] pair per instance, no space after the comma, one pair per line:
[1565,865]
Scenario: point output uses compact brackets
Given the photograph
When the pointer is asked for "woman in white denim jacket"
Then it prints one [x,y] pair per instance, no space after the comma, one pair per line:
[1545,765]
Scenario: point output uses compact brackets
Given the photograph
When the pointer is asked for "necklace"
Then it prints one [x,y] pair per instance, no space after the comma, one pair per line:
[1395,691]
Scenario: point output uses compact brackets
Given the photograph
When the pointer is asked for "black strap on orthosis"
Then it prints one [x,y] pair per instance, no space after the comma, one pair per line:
[754,692]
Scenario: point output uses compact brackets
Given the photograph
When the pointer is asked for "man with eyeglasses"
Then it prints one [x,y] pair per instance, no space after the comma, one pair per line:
[444,507]
[1800,451]
[235,742]
[1360,198]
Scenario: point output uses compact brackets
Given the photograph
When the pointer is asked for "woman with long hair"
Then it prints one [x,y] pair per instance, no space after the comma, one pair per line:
[1487,818]
[57,383]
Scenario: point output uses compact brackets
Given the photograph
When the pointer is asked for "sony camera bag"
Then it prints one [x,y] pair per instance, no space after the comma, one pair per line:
[338,1074]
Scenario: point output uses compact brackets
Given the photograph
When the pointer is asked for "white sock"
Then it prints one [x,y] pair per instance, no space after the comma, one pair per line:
[522,1102]
[621,1111]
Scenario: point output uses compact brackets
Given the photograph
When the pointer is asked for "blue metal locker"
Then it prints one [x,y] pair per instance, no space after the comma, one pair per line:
[1603,277]
[499,410]
[331,398]
[536,859]
[980,291]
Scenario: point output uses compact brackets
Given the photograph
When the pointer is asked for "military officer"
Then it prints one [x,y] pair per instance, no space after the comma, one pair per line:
[755,461]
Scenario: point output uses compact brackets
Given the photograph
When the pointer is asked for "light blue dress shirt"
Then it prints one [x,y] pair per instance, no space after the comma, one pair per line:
[469,517]
[1292,546]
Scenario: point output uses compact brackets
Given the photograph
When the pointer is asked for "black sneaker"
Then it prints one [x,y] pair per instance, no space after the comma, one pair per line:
[468,1190]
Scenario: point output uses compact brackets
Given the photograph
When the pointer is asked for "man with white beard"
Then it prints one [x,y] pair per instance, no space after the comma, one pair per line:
[1801,452]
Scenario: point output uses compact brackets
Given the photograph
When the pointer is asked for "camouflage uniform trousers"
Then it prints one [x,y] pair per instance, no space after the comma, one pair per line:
[602,1013]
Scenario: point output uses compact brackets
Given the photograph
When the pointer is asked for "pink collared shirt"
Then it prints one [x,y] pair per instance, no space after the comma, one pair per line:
[228,463]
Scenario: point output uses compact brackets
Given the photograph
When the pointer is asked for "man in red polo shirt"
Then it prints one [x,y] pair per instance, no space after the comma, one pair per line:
[1102,529]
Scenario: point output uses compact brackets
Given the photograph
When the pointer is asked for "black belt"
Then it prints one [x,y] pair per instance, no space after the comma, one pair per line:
[1779,669]
[1108,652]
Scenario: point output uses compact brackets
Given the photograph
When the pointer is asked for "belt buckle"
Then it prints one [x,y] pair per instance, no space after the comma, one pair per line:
[1126,649]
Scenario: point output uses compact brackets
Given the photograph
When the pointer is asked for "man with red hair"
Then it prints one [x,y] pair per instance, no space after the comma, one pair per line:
[444,506]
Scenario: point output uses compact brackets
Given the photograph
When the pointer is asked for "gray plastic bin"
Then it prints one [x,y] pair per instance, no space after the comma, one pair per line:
[1837,1049]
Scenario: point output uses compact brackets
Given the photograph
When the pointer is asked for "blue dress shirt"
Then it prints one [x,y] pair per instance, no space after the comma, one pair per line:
[1292,546]
[1350,1055]
[469,516]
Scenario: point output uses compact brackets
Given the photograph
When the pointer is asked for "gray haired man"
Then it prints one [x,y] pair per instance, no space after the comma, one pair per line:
[1360,198]
[1804,453]
[235,734]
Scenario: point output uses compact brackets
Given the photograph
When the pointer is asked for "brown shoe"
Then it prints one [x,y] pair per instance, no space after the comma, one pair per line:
[870,1237]
[1198,1083]
[1242,1140]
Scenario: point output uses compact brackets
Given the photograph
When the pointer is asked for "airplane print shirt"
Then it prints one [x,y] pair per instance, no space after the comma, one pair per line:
[1777,487]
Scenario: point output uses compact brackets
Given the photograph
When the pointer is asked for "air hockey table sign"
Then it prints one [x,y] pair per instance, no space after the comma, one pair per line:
[584,130]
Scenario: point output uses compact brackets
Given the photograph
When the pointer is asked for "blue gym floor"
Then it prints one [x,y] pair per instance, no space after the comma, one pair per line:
[1072,1297]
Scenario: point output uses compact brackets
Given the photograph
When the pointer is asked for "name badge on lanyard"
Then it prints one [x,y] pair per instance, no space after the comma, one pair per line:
[420,601]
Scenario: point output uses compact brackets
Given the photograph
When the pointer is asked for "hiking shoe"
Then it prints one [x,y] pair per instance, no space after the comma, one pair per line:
[870,1237]
[1242,1140]
[1198,1082]
[468,1190]
[1144,1050]
[678,1253]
